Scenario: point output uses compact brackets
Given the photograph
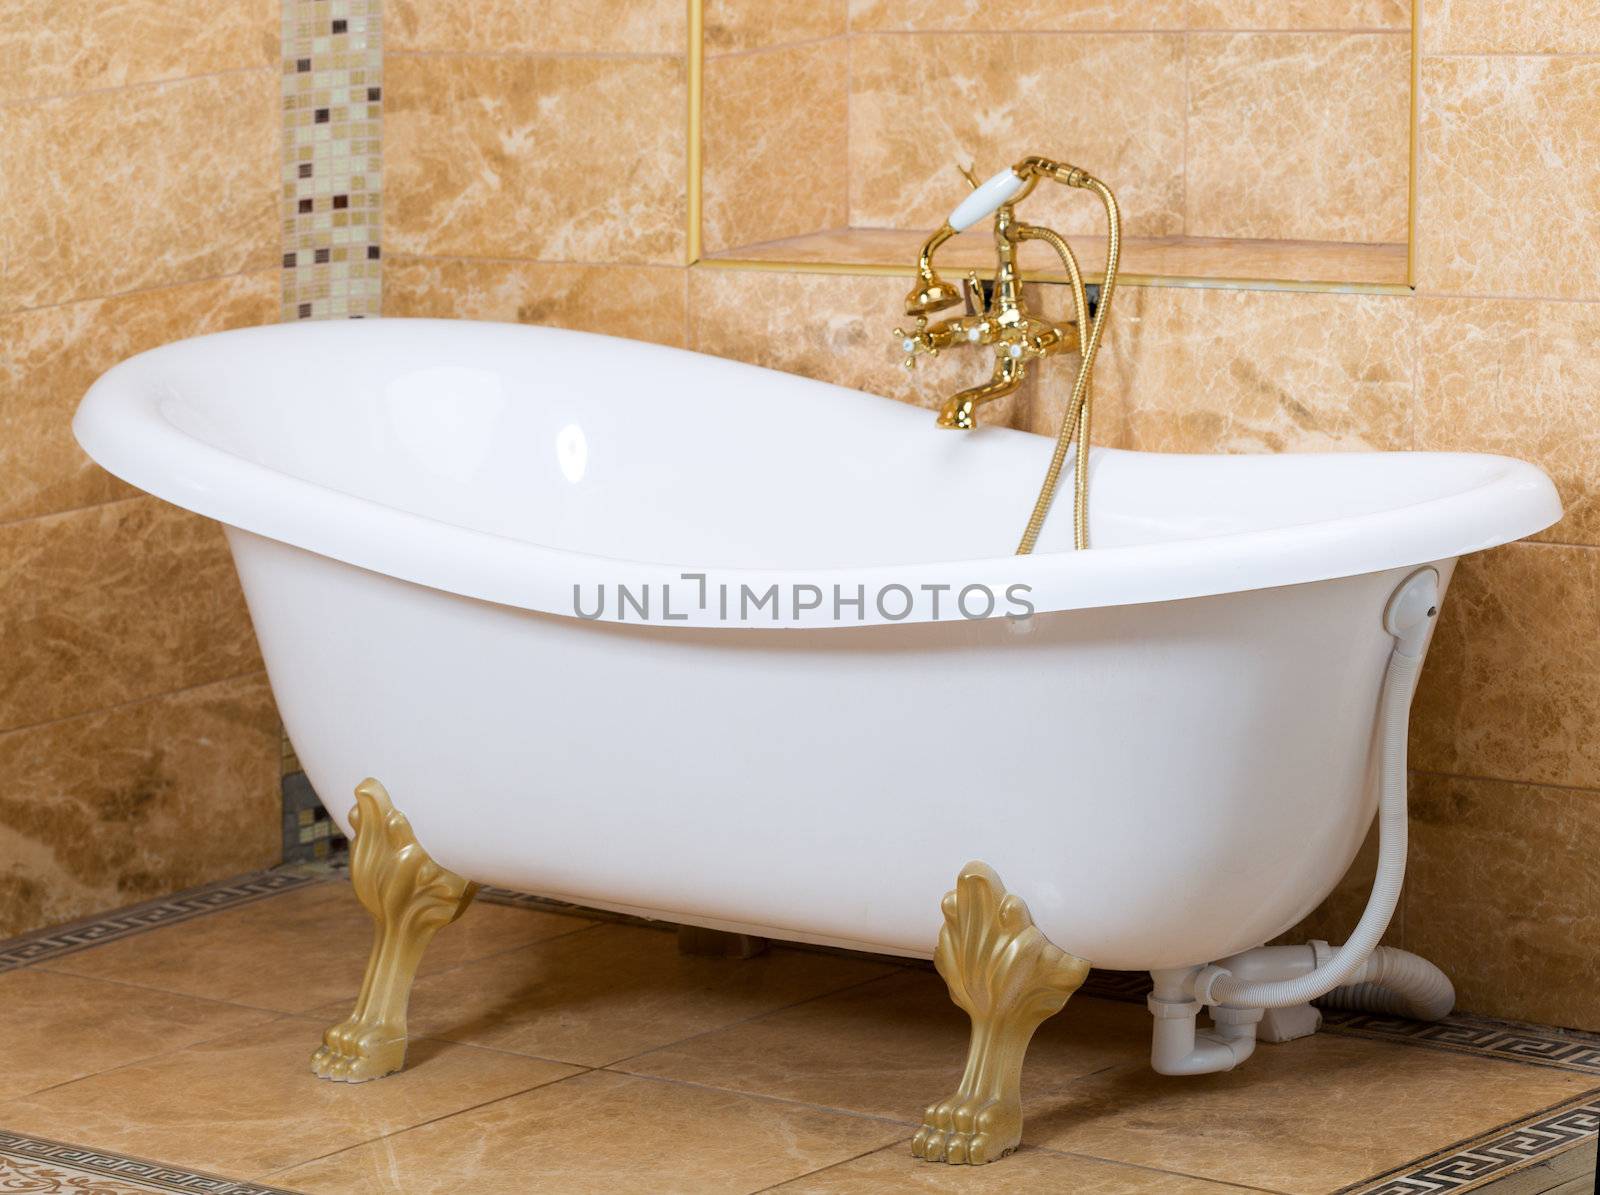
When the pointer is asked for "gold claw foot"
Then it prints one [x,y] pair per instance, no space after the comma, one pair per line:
[1009,978]
[411,898]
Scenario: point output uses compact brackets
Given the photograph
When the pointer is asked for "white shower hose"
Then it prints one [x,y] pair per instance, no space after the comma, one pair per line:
[1378,978]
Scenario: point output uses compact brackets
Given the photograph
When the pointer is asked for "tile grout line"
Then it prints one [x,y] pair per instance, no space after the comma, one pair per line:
[547,55]
[7,313]
[803,43]
[771,1012]
[910,1125]
[1573,788]
[1221,1182]
[140,85]
[133,701]
[432,1120]
[784,1182]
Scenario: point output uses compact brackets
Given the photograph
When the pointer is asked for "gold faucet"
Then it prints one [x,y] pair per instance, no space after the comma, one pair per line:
[1016,334]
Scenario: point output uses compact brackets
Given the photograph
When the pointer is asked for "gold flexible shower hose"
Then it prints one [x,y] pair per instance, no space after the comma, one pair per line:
[1075,424]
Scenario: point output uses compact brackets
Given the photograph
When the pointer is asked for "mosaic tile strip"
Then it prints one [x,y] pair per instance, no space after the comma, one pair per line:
[332,158]
[196,902]
[1495,1155]
[36,1164]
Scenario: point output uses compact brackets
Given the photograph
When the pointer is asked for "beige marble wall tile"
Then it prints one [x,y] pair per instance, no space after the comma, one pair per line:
[839,328]
[732,25]
[1509,177]
[540,26]
[518,157]
[1299,136]
[115,603]
[1503,893]
[972,16]
[601,1133]
[132,803]
[121,190]
[921,104]
[774,132]
[1522,379]
[49,358]
[832,327]
[1300,14]
[1510,27]
[1260,371]
[1512,686]
[642,303]
[49,47]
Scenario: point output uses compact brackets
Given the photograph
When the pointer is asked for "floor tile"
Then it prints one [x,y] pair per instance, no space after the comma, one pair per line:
[1307,1116]
[890,1048]
[248,1103]
[601,1132]
[611,992]
[303,949]
[56,1028]
[893,1171]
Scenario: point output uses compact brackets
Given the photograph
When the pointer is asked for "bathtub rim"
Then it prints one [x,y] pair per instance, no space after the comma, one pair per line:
[121,425]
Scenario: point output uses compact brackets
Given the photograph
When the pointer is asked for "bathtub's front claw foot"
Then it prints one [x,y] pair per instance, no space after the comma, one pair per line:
[411,898]
[1009,978]
[353,1052]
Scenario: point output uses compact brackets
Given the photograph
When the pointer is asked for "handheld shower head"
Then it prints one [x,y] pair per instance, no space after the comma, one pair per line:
[930,293]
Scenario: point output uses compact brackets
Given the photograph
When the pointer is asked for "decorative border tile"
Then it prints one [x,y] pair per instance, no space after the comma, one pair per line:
[38,1164]
[332,158]
[1561,1049]
[196,902]
[1493,1156]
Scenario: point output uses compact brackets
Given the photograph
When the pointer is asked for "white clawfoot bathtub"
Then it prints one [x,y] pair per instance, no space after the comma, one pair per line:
[1171,760]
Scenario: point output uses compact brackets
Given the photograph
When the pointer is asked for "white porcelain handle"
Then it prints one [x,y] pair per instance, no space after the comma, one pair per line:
[992,195]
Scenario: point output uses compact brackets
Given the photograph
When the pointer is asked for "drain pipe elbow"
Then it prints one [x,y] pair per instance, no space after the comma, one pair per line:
[1179,1047]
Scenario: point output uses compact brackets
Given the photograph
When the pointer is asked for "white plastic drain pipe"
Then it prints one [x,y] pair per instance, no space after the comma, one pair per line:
[1410,612]
[1359,974]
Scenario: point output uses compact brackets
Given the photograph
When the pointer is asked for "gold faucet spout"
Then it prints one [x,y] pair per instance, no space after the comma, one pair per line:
[959,412]
[1007,323]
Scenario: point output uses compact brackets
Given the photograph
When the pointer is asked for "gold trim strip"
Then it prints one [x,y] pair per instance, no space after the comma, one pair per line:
[1415,144]
[697,66]
[1057,277]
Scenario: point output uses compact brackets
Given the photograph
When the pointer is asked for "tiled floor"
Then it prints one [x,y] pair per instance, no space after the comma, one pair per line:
[552,1052]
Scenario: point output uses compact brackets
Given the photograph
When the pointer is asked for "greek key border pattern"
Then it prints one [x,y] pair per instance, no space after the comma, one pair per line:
[196,902]
[1494,1156]
[36,1161]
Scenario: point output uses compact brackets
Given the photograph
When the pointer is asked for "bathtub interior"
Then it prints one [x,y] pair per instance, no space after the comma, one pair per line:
[640,452]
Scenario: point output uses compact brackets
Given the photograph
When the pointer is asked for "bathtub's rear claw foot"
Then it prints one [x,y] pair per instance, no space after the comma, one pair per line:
[410,898]
[1009,978]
